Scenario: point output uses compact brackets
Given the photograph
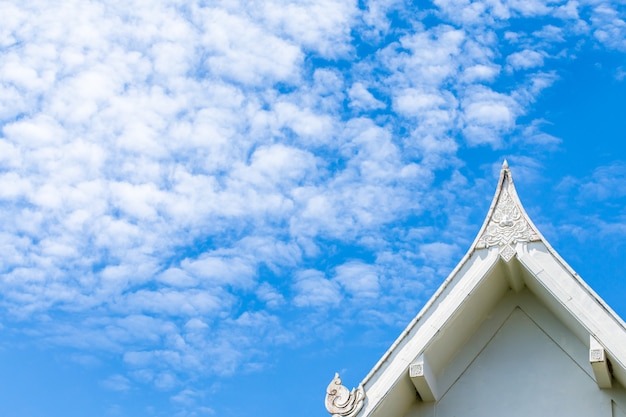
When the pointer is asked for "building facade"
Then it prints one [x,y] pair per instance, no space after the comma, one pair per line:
[513,331]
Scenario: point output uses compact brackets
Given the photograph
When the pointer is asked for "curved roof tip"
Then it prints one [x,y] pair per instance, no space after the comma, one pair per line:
[506,223]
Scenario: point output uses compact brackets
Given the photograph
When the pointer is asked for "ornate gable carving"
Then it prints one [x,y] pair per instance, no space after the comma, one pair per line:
[507,224]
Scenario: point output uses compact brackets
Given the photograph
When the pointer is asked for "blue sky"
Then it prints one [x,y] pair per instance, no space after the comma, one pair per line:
[210,207]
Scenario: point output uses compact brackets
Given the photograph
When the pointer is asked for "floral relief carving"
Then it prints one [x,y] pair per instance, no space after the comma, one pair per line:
[596,355]
[340,402]
[506,227]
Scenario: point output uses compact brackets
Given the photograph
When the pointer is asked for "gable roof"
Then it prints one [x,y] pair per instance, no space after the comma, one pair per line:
[509,254]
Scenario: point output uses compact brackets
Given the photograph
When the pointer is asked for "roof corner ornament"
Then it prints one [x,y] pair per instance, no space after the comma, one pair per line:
[508,224]
[342,403]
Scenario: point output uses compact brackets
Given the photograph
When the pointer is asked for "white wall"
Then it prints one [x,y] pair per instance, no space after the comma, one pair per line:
[530,366]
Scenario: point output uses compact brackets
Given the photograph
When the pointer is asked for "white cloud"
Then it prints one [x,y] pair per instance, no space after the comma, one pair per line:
[358,279]
[304,122]
[480,72]
[529,7]
[525,59]
[270,295]
[432,55]
[312,289]
[492,112]
[550,33]
[360,97]
[376,17]
[606,182]
[240,50]
[412,102]
[276,166]
[215,270]
[323,26]
[171,302]
[488,115]
[568,10]
[608,26]
[534,136]
[439,252]
[117,383]
[474,12]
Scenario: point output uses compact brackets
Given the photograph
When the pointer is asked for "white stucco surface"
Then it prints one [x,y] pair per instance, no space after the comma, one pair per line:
[617,411]
[523,370]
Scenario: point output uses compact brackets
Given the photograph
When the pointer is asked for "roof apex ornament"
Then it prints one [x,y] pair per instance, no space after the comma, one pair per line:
[507,222]
[342,403]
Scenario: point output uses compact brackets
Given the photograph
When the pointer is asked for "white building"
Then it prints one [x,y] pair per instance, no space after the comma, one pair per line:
[513,331]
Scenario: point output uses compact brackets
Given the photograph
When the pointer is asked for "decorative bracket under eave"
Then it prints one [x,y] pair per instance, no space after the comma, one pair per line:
[599,363]
[423,379]
[508,223]
[340,402]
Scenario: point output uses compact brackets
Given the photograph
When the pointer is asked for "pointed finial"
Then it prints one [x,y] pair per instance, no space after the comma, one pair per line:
[505,164]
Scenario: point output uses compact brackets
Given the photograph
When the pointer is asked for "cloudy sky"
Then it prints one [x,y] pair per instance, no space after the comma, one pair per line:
[209,207]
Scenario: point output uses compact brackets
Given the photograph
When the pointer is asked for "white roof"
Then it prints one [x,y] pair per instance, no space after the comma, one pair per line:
[509,253]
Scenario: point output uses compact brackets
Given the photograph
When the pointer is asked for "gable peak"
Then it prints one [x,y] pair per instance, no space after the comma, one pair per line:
[507,222]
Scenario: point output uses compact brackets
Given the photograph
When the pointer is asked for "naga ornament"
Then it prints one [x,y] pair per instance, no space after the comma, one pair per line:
[340,402]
